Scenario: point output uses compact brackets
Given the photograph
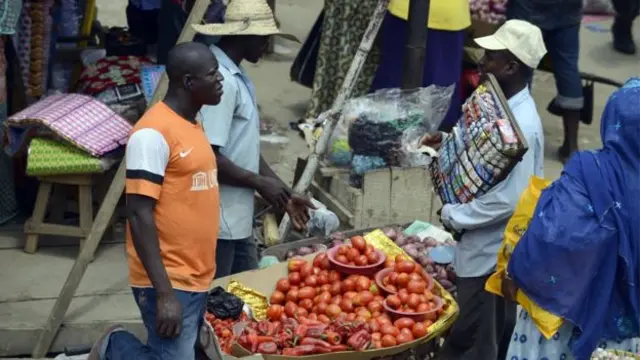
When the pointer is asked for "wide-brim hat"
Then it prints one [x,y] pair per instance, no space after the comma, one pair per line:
[245,17]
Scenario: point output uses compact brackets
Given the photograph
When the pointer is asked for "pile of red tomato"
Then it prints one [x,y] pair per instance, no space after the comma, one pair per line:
[359,253]
[313,291]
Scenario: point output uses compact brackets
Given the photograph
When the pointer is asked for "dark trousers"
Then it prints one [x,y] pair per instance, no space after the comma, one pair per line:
[484,326]
[626,10]
[236,256]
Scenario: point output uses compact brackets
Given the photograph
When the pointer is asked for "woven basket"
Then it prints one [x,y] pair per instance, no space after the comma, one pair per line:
[9,15]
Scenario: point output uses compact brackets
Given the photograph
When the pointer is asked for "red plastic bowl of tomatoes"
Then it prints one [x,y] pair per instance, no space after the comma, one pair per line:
[424,311]
[387,280]
[357,258]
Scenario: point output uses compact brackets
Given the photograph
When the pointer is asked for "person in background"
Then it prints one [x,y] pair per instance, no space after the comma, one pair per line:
[560,25]
[142,19]
[172,209]
[484,326]
[448,20]
[626,12]
[580,255]
[233,130]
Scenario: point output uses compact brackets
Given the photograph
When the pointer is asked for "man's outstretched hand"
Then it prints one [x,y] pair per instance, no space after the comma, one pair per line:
[298,210]
[274,191]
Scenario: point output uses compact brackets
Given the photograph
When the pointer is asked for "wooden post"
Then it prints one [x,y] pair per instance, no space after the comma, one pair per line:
[272,5]
[313,161]
[415,50]
[104,214]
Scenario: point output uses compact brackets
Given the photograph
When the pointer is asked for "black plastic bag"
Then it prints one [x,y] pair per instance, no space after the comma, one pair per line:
[224,305]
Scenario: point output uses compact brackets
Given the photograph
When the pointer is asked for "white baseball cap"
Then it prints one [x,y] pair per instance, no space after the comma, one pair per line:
[522,39]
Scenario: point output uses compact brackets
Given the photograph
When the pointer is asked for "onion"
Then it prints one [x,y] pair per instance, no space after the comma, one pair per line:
[430,242]
[411,250]
[445,283]
[401,241]
[305,250]
[413,239]
[429,269]
[290,254]
[390,233]
[423,260]
[442,274]
[335,243]
[337,236]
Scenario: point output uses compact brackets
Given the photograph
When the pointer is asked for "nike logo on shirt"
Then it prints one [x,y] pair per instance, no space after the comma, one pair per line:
[184,154]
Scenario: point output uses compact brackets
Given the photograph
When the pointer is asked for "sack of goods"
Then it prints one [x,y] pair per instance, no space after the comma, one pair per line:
[481,151]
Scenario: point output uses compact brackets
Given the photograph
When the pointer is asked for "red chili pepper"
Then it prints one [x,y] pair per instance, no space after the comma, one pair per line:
[316,342]
[332,337]
[252,336]
[315,330]
[264,339]
[360,340]
[268,347]
[300,331]
[339,348]
[310,322]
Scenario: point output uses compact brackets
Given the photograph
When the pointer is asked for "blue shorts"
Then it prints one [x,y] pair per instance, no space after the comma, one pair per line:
[563,45]
[122,345]
[236,256]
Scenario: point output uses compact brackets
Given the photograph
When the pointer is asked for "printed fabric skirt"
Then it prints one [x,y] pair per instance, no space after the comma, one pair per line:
[343,27]
[527,343]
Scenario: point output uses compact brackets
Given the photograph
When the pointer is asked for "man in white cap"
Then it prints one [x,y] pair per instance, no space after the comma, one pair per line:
[486,321]
[233,129]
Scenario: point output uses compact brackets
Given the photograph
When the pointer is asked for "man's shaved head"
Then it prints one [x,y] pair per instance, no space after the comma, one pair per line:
[193,71]
[189,58]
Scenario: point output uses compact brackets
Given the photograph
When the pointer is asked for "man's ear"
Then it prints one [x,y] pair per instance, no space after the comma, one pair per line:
[512,67]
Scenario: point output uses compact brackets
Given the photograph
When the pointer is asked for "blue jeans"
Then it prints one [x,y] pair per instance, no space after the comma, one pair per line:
[123,345]
[236,256]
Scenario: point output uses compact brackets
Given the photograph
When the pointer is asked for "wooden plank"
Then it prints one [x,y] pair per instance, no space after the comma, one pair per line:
[55,230]
[84,179]
[37,217]
[376,194]
[104,214]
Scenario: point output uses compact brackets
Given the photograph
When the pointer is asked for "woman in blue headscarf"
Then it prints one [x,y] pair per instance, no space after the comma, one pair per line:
[580,256]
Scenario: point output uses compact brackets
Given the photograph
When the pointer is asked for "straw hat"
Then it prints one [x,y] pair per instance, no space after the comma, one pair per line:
[245,17]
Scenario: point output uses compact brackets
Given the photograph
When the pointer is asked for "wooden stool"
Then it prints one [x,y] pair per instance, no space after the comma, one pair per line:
[35,226]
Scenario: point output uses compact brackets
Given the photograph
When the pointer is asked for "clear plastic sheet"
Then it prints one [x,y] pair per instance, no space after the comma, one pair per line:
[372,130]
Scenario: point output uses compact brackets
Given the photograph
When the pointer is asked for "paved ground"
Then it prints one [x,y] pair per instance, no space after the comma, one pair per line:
[30,291]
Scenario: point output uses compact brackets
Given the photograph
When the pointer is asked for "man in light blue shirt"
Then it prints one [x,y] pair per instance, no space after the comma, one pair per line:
[233,129]
[484,327]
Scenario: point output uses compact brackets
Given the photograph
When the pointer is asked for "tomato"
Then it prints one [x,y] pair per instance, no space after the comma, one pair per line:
[323,279]
[358,243]
[352,254]
[377,344]
[361,260]
[321,308]
[346,305]
[423,308]
[393,278]
[295,264]
[336,288]
[336,299]
[363,284]
[388,341]
[427,323]
[403,294]
[292,295]
[350,295]
[409,310]
[373,325]
[333,311]
[351,316]
[393,301]
[312,316]
[306,270]
[376,336]
[301,312]
[369,249]
[324,319]
[372,258]
[274,313]
[404,338]
[404,323]
[294,278]
[342,259]
[324,297]
[415,277]
[383,320]
[401,258]
[406,266]
[414,301]
[374,306]
[311,280]
[388,329]
[306,303]
[348,285]
[283,285]
[321,261]
[418,330]
[306,292]
[334,276]
[365,297]
[389,263]
[363,313]
[391,288]
[403,280]
[277,297]
[373,289]
[343,249]
[290,309]
[325,287]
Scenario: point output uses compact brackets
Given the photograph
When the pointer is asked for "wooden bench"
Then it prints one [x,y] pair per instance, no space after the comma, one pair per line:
[36,225]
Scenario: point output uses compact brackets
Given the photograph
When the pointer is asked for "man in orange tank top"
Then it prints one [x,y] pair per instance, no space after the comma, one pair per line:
[172,209]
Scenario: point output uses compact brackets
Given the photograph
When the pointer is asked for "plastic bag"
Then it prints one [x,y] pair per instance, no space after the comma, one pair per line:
[372,126]
[322,221]
[547,323]
[223,304]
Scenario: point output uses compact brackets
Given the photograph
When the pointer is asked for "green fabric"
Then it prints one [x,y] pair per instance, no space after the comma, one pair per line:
[51,157]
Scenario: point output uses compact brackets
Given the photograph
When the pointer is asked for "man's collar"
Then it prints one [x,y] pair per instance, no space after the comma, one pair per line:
[518,98]
[226,61]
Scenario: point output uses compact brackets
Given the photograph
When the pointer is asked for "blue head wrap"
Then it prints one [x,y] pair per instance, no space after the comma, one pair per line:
[579,258]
